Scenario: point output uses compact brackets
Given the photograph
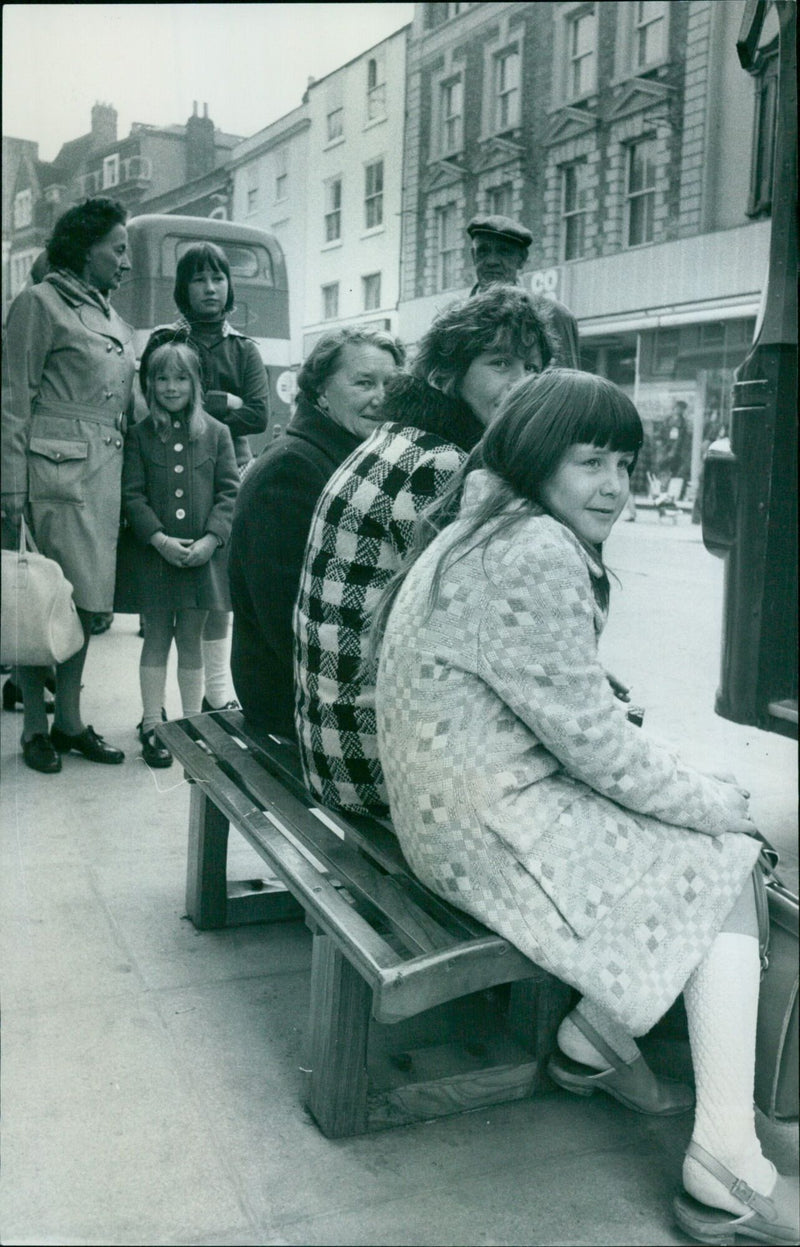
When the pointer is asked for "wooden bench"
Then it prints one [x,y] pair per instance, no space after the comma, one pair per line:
[416,1009]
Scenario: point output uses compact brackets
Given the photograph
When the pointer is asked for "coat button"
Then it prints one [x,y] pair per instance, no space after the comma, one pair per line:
[178,446]
[108,346]
[109,394]
[119,350]
[118,442]
[107,441]
[176,424]
[178,467]
[180,514]
[178,493]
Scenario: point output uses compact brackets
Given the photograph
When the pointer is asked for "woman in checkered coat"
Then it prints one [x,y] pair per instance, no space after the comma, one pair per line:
[520,792]
[365,518]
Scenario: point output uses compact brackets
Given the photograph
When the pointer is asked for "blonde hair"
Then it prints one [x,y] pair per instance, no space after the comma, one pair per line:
[184,357]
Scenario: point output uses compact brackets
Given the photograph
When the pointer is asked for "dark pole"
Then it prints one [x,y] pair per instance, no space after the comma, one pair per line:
[750,500]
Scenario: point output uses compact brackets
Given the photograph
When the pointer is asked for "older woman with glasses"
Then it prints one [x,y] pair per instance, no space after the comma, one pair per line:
[365,520]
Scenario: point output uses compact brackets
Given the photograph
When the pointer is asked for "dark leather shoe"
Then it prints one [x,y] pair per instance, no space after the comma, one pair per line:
[40,755]
[87,742]
[229,705]
[12,695]
[153,752]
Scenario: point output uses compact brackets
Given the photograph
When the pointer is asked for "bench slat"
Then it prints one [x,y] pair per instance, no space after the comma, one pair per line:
[362,945]
[281,759]
[417,931]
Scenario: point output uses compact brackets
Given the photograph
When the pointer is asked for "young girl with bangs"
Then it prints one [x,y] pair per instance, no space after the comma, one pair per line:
[521,793]
[179,485]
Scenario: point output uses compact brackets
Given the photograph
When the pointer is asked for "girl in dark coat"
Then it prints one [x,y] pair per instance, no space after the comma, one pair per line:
[235,391]
[179,484]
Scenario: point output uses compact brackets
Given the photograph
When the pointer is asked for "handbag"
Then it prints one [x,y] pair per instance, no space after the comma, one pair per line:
[776,1082]
[39,624]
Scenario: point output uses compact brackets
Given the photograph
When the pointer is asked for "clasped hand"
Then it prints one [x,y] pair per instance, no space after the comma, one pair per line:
[183,552]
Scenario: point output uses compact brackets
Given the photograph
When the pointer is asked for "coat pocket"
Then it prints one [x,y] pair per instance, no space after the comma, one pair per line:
[57,469]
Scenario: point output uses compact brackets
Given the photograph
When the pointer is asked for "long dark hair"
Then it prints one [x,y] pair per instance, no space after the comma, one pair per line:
[541,417]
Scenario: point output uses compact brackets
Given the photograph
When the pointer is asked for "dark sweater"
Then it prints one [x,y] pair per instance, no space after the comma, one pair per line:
[270,527]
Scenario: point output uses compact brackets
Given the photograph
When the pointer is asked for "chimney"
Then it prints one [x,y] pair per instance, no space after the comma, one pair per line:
[200,152]
[104,126]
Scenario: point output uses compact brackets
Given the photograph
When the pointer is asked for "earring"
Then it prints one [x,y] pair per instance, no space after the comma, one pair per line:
[322,402]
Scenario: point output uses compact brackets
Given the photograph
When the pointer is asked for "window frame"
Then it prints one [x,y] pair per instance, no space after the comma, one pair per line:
[373,199]
[331,287]
[578,213]
[571,59]
[374,278]
[111,163]
[644,194]
[23,208]
[447,255]
[376,89]
[500,97]
[638,25]
[448,148]
[335,112]
[334,212]
[500,209]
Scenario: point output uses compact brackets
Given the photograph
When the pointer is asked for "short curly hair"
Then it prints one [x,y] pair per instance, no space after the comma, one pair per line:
[79,229]
[195,259]
[505,318]
[325,357]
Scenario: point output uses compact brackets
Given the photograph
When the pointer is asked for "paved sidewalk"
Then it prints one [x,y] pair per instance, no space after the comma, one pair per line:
[150,1078]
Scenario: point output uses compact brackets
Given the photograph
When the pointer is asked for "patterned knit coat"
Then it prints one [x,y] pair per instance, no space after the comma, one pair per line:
[362,527]
[520,792]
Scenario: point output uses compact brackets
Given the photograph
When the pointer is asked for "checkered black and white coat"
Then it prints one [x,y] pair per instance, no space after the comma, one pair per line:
[362,527]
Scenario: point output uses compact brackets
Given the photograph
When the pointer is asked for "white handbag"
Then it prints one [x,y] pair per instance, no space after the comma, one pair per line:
[39,624]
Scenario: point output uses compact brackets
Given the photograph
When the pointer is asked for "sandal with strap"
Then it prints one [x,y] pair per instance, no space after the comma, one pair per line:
[771,1218]
[633,1083]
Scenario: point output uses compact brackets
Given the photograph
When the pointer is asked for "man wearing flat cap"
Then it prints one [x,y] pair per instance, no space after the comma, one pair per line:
[499,250]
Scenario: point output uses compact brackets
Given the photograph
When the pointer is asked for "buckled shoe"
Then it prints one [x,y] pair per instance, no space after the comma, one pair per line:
[154,753]
[771,1218]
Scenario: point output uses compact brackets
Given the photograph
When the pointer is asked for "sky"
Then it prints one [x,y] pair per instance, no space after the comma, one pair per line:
[250,62]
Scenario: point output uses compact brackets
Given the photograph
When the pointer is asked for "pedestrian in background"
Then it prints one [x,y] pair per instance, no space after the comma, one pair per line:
[520,792]
[68,367]
[235,391]
[364,523]
[341,387]
[499,248]
[179,485]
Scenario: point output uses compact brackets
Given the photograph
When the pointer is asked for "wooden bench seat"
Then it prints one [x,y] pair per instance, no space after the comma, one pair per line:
[416,1009]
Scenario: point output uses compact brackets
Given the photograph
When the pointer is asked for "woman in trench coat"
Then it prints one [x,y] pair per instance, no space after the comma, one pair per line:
[68,368]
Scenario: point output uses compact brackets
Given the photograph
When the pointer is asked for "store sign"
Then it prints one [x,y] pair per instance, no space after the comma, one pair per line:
[543,281]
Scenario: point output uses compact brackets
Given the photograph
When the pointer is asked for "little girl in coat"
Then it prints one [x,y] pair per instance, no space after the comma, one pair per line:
[520,792]
[179,485]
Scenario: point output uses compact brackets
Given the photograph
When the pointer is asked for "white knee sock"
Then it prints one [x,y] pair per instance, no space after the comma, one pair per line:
[573,1043]
[721,1007]
[152,682]
[216,664]
[190,683]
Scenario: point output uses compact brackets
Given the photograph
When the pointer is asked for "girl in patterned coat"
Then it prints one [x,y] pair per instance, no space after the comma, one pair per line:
[520,792]
[365,519]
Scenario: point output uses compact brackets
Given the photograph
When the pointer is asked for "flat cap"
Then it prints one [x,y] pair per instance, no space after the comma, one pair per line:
[500,227]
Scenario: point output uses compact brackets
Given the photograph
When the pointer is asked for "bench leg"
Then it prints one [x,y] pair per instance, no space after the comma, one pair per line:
[206,870]
[537,1007]
[338,1025]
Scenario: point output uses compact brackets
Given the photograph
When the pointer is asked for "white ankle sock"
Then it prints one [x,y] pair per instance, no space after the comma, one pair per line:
[573,1043]
[721,1007]
[152,682]
[216,665]
[190,683]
